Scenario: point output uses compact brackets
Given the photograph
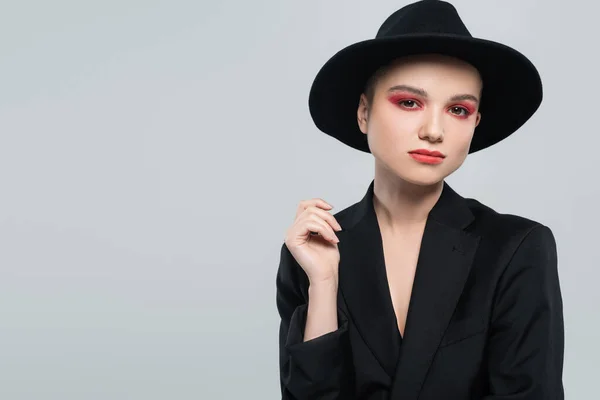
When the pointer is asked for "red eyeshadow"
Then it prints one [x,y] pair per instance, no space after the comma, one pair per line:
[395,98]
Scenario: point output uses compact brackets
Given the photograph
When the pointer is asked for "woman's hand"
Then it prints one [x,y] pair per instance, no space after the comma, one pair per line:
[313,243]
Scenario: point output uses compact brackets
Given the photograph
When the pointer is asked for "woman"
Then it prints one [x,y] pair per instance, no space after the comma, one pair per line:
[415,292]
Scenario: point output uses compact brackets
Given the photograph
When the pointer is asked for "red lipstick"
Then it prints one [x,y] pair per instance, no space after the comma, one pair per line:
[427,156]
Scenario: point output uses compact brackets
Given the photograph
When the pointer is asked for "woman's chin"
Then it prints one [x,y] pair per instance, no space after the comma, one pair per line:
[422,178]
[416,173]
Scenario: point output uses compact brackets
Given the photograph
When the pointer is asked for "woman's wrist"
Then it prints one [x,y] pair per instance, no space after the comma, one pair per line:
[322,309]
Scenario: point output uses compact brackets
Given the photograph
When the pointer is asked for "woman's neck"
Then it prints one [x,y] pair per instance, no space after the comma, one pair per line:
[400,205]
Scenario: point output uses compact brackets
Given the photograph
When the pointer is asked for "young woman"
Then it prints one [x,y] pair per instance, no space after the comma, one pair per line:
[415,292]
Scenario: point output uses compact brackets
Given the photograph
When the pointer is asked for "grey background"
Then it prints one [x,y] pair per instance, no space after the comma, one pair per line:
[153,154]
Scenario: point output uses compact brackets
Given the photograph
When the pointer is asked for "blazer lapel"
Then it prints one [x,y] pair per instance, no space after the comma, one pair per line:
[363,284]
[445,259]
[444,262]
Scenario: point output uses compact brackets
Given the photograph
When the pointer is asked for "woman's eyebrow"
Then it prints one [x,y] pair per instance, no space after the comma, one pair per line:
[461,97]
[407,88]
[423,93]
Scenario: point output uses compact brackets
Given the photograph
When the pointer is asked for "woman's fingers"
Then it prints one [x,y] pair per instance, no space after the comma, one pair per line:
[318,226]
[313,218]
[316,202]
[324,215]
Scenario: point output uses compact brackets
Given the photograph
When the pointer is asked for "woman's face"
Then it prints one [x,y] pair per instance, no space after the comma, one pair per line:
[426,102]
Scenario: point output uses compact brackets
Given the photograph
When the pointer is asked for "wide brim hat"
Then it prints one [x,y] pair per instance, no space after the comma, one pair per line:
[428,26]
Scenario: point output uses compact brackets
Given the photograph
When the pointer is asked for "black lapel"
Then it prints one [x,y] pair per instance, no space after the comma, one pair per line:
[445,259]
[363,283]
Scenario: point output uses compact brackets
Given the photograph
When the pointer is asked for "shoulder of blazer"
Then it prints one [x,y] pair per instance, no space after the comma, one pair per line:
[488,219]
[502,231]
[343,217]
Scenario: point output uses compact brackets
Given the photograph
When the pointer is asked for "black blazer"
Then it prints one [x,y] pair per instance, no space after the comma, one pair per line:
[485,317]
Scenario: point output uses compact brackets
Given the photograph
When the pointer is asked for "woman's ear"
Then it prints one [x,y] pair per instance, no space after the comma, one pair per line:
[362,113]
[478,120]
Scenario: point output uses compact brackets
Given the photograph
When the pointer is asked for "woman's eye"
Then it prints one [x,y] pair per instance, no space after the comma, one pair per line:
[408,103]
[460,111]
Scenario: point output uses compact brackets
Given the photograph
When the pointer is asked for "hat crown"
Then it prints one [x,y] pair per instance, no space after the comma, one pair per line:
[424,17]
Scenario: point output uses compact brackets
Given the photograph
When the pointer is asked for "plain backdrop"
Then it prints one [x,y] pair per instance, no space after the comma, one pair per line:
[153,154]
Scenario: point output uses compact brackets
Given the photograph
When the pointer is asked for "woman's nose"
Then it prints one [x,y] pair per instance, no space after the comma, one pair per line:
[432,128]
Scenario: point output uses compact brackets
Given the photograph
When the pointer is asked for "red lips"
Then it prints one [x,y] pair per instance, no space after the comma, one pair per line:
[426,152]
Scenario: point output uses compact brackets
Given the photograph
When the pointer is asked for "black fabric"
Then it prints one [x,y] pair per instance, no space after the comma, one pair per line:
[419,28]
[485,317]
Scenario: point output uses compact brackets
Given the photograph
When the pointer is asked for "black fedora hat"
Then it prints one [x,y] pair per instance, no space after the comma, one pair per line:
[427,26]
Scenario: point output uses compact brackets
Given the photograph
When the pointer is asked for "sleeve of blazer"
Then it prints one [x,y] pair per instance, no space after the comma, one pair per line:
[526,344]
[321,367]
